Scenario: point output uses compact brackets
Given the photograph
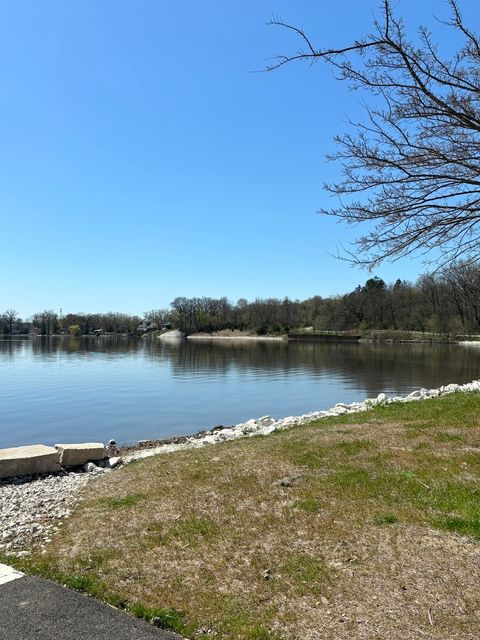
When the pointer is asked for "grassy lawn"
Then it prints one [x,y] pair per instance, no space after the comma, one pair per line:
[364,526]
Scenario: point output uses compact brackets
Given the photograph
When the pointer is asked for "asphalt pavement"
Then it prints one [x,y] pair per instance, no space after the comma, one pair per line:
[32,608]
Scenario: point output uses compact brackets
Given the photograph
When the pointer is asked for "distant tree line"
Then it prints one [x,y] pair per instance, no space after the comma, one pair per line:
[447,302]
[49,322]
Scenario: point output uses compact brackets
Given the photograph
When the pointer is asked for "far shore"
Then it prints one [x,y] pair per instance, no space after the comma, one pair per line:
[370,336]
[209,336]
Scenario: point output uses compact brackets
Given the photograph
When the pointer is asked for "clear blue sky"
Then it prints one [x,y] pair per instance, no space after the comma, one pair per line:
[141,159]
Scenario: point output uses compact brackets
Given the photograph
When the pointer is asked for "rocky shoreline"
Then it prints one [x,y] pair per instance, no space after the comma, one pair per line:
[267,424]
[32,508]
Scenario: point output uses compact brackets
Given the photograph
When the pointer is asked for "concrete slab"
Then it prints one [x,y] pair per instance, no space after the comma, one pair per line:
[72,455]
[22,461]
[36,609]
[7,574]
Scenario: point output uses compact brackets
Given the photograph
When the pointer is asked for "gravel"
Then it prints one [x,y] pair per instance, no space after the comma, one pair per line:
[32,508]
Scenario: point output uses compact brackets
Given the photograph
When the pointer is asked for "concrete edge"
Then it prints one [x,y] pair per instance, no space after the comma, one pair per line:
[7,574]
[38,459]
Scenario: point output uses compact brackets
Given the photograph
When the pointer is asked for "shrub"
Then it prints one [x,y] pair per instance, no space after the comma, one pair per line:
[74,330]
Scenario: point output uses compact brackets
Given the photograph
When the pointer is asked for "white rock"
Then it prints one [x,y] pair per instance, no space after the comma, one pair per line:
[209,439]
[414,394]
[228,434]
[338,410]
[114,462]
[269,429]
[174,335]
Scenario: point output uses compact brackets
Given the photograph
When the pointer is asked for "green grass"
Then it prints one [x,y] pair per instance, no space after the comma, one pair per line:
[310,505]
[123,502]
[190,531]
[304,573]
[169,619]
[441,436]
[302,457]
[463,526]
[388,518]
[354,447]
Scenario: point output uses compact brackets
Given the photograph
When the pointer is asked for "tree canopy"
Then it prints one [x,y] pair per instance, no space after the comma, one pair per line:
[412,166]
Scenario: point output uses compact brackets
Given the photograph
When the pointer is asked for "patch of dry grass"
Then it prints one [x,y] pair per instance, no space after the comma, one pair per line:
[374,535]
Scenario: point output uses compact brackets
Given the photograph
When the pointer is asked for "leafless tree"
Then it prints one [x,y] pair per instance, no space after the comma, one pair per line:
[157,316]
[412,166]
[46,322]
[10,318]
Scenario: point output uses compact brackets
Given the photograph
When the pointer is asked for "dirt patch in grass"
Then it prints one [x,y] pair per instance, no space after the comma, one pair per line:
[365,526]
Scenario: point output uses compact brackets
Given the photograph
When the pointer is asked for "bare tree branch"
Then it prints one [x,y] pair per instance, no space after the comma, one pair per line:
[413,167]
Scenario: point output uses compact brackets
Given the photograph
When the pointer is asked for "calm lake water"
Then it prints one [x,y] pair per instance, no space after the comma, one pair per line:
[84,389]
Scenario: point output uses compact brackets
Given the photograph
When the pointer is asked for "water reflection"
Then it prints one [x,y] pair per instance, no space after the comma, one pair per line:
[93,388]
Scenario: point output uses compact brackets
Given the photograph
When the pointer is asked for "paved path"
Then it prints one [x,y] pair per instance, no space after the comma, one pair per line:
[32,608]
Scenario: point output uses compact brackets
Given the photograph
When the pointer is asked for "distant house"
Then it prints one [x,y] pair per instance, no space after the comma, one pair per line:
[147,326]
